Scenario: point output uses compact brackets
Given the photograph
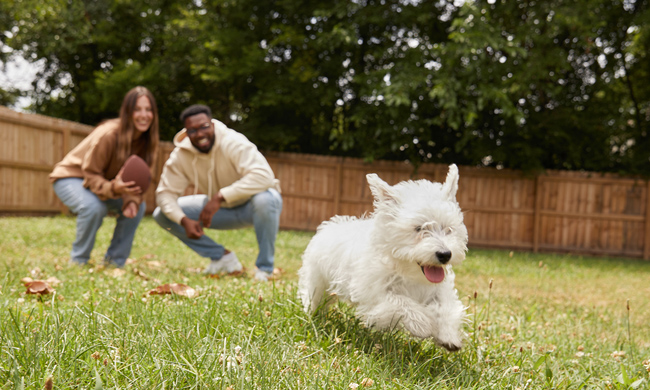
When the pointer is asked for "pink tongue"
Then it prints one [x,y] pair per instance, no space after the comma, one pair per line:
[434,274]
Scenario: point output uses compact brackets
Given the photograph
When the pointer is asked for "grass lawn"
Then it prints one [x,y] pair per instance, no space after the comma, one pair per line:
[535,321]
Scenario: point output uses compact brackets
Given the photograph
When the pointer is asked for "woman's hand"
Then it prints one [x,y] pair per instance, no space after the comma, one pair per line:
[131,210]
[121,187]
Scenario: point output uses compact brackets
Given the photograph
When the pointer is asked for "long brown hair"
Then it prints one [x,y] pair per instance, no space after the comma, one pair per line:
[127,127]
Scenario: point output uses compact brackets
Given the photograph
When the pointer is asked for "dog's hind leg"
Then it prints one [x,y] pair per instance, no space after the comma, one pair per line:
[311,288]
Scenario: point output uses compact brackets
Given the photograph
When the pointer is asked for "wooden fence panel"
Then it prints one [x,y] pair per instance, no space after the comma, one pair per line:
[557,211]
[499,209]
[30,145]
[601,216]
[309,189]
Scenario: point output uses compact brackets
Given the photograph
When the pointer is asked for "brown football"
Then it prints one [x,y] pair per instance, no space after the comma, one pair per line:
[137,170]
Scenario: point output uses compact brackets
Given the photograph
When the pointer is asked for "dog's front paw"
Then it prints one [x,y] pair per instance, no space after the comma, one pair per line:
[450,340]
[451,347]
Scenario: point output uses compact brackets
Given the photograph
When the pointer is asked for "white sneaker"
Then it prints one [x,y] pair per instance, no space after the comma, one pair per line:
[262,276]
[229,263]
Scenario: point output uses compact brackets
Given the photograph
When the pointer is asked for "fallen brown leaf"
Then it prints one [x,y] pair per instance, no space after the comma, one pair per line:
[53,281]
[116,272]
[36,272]
[144,276]
[174,288]
[38,287]
[154,264]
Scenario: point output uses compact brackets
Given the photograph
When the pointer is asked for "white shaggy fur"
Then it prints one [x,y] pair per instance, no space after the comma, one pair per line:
[377,263]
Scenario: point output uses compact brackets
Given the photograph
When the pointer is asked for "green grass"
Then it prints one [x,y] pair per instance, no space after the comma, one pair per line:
[534,321]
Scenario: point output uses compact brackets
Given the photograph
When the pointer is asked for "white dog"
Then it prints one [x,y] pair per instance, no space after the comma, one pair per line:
[395,265]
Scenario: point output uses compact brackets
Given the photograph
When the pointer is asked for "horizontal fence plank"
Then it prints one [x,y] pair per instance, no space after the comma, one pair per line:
[43,122]
[558,211]
[31,208]
[26,166]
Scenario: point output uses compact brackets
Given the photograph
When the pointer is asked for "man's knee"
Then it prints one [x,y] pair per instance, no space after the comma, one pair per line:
[268,202]
[159,216]
[142,210]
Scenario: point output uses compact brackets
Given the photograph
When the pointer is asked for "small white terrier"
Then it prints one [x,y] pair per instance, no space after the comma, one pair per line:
[395,265]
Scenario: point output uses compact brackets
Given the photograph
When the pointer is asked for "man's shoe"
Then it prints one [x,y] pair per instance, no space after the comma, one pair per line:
[229,263]
[263,276]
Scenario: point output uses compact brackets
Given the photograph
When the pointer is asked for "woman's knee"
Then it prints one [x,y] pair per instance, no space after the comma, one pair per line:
[92,208]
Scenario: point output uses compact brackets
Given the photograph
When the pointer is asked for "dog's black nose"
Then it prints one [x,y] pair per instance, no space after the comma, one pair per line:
[443,257]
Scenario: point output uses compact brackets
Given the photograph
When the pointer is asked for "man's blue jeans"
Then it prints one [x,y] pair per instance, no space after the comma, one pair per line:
[90,211]
[262,212]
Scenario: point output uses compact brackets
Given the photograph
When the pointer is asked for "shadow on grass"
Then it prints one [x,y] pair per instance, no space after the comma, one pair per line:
[399,354]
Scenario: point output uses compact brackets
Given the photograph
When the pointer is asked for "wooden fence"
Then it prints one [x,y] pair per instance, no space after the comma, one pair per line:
[577,212]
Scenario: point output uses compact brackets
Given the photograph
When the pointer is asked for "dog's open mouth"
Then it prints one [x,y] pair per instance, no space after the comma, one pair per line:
[433,274]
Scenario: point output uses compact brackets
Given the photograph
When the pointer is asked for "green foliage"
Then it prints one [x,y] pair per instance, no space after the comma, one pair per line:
[530,85]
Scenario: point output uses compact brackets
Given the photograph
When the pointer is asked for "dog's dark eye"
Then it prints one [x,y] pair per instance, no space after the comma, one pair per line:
[418,228]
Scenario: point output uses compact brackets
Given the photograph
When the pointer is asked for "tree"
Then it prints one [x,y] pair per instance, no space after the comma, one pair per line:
[93,52]
[531,85]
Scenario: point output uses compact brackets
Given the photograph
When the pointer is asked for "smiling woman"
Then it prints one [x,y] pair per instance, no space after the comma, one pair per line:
[89,179]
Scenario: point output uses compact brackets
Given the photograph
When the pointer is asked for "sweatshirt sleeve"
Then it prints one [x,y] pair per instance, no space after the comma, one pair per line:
[173,183]
[94,165]
[256,173]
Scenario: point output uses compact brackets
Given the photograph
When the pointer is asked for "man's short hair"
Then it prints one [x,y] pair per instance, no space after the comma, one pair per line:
[195,109]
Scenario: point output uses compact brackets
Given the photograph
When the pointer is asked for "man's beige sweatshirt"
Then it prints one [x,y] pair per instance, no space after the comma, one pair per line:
[233,166]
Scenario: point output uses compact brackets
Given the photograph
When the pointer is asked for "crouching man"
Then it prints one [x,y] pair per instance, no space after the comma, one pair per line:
[237,187]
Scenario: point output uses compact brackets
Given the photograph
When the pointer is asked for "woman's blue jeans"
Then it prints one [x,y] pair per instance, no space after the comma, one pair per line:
[90,211]
[262,211]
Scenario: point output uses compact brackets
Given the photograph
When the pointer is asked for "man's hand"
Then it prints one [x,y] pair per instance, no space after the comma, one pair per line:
[192,228]
[210,209]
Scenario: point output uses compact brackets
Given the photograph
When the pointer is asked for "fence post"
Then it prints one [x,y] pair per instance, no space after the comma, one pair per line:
[66,148]
[536,215]
[66,142]
[339,187]
[646,242]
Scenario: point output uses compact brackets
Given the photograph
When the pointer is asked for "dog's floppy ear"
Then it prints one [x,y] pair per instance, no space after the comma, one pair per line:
[450,187]
[379,188]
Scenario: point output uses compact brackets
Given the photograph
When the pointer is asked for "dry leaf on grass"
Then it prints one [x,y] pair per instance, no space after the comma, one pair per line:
[36,272]
[174,288]
[154,264]
[38,287]
[236,274]
[116,272]
[144,276]
[53,281]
